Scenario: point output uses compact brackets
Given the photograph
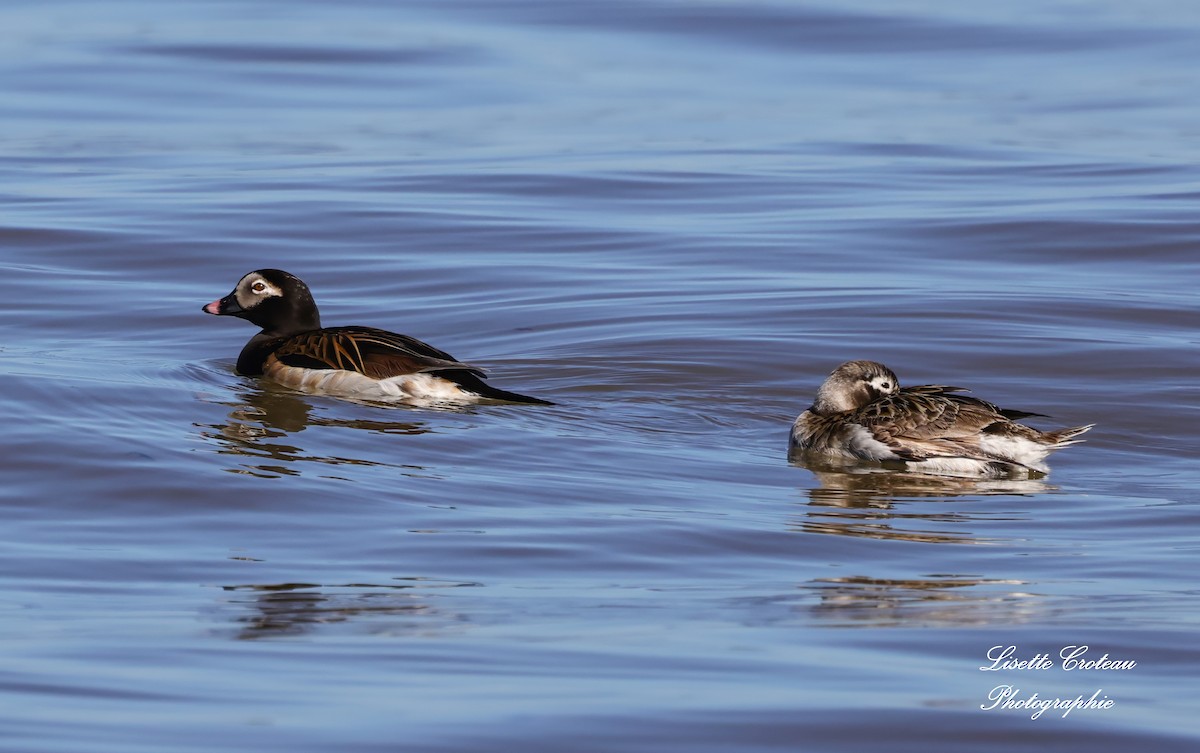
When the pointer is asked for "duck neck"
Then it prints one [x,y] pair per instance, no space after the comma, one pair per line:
[254,354]
[830,401]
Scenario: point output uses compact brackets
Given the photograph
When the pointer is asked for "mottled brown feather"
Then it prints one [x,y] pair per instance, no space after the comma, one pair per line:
[930,421]
[859,413]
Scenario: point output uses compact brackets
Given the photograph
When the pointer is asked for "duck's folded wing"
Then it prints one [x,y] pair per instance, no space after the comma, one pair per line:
[374,352]
[941,389]
[931,389]
[926,422]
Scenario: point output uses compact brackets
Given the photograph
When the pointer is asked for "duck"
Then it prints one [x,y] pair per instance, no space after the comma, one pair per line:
[362,363]
[861,413]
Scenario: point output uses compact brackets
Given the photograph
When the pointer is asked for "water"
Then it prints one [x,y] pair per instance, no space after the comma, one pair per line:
[672,219]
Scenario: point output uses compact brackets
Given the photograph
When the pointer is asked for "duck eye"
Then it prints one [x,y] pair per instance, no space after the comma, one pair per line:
[258,287]
[886,385]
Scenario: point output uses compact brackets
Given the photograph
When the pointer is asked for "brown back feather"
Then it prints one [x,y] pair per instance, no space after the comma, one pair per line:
[929,421]
[374,352]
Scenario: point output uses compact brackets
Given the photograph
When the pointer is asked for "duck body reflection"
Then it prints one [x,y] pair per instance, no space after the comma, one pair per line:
[262,427]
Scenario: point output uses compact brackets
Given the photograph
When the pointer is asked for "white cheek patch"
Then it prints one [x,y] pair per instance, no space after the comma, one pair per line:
[884,385]
[248,297]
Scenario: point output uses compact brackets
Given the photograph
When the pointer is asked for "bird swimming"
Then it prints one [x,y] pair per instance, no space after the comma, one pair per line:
[861,413]
[362,363]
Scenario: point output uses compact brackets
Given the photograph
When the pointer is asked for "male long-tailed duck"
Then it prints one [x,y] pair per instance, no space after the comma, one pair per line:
[862,413]
[355,362]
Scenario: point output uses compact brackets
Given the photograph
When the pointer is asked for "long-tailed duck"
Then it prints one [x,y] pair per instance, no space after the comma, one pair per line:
[355,362]
[862,413]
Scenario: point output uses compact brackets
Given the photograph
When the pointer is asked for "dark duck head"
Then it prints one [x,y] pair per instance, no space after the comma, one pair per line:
[278,302]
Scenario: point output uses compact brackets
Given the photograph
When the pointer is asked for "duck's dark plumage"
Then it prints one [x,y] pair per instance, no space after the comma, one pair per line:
[364,362]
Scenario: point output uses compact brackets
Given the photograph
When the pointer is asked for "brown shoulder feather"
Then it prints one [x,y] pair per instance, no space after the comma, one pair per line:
[374,352]
[928,421]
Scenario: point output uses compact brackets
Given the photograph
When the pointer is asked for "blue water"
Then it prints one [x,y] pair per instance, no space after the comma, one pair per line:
[673,220]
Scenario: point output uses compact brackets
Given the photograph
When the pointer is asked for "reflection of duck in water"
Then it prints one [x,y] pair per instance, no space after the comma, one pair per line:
[297,608]
[873,502]
[362,363]
[262,424]
[946,600]
[861,413]
[859,486]
[279,411]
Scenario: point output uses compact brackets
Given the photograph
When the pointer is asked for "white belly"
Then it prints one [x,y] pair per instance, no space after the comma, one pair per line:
[351,384]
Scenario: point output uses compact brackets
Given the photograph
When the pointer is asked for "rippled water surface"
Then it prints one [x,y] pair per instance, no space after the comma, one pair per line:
[673,219]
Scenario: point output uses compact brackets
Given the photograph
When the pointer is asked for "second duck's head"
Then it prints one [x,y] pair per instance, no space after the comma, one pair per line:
[853,385]
[278,302]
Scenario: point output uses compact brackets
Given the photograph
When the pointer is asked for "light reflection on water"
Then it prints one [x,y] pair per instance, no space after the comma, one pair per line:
[673,220]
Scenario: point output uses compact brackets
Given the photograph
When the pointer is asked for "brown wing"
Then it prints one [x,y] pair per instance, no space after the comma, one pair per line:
[374,352]
[929,421]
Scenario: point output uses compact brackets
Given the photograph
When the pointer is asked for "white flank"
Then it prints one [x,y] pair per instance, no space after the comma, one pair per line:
[351,384]
[860,444]
[1019,450]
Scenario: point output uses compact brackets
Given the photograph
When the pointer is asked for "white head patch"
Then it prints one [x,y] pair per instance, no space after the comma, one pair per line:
[884,383]
[253,288]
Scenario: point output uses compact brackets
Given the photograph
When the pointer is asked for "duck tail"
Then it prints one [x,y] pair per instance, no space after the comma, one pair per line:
[473,383]
[1066,437]
[495,393]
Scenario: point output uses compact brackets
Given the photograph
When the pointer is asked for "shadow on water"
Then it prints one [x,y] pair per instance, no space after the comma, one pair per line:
[290,609]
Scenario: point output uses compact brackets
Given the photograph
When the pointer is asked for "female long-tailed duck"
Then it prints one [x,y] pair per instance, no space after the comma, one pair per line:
[356,362]
[862,413]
